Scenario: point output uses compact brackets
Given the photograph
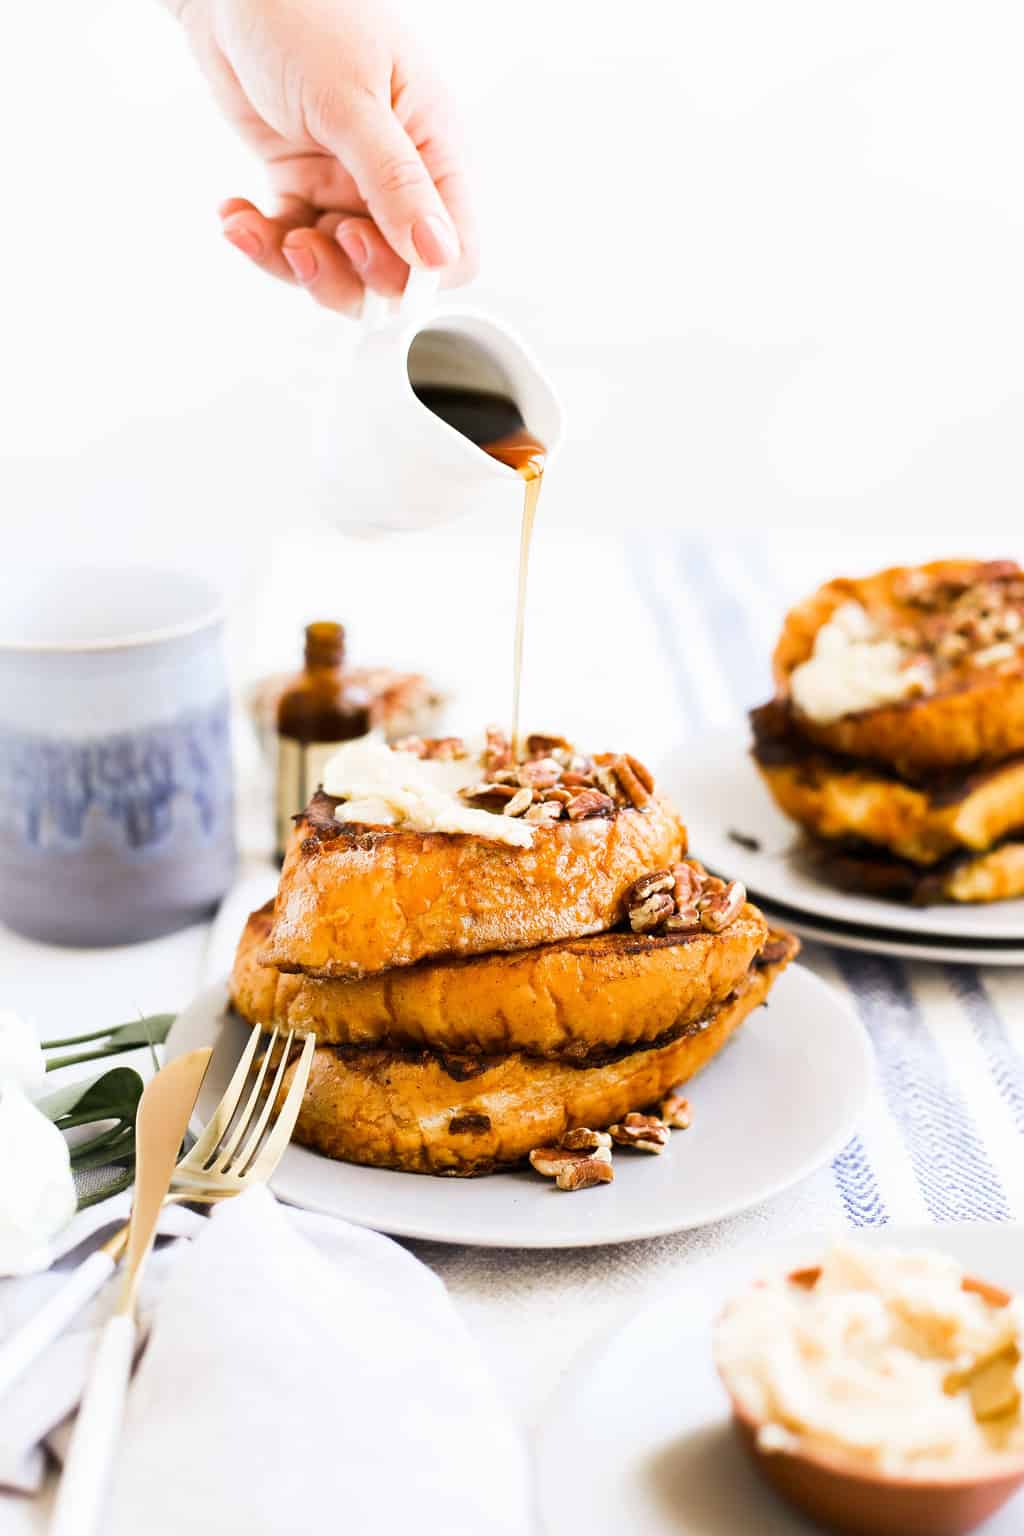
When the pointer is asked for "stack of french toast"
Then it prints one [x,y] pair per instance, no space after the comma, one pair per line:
[503,956]
[896,734]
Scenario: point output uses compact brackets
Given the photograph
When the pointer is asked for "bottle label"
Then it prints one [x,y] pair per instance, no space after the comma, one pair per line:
[300,771]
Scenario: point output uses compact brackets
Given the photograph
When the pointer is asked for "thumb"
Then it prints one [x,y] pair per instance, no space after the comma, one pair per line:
[394,183]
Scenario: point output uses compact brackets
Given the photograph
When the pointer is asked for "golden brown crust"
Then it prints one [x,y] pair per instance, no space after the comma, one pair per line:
[834,799]
[567,999]
[358,901]
[996,875]
[975,715]
[387,1110]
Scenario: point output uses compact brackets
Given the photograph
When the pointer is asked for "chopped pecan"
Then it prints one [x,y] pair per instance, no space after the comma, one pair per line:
[489,791]
[723,907]
[540,773]
[685,919]
[446,749]
[520,802]
[583,1139]
[563,796]
[675,1111]
[647,915]
[576,780]
[538,745]
[645,1132]
[584,1175]
[589,802]
[497,749]
[605,777]
[550,1161]
[544,812]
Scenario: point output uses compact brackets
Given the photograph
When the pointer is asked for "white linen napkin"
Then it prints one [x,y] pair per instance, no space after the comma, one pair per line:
[298,1371]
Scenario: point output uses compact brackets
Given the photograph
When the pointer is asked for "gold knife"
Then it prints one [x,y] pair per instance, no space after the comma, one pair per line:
[160,1125]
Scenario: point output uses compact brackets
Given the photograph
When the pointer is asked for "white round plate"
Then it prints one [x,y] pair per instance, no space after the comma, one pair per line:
[723,800]
[637,1438]
[744,1145]
[885,941]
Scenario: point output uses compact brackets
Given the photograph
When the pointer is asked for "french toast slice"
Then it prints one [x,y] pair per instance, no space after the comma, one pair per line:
[571,999]
[994,875]
[965,618]
[836,799]
[356,900]
[428,1113]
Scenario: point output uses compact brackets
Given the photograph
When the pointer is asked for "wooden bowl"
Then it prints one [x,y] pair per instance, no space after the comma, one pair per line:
[843,1496]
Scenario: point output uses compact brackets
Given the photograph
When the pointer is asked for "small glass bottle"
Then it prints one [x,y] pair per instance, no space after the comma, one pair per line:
[318,709]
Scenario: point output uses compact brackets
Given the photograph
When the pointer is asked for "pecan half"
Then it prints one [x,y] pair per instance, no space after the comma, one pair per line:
[584,1175]
[675,1111]
[687,883]
[635,779]
[647,885]
[589,802]
[520,802]
[723,907]
[645,1132]
[647,915]
[540,773]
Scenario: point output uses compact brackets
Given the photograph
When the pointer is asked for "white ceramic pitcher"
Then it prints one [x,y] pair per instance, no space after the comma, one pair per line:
[394,465]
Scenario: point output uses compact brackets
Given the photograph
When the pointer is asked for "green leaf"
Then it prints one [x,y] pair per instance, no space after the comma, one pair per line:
[150,1030]
[113,1096]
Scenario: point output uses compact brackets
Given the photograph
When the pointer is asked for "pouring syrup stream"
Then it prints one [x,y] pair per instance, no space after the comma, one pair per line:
[495,424]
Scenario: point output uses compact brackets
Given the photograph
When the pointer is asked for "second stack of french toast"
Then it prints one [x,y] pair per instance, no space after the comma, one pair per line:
[896,734]
[500,956]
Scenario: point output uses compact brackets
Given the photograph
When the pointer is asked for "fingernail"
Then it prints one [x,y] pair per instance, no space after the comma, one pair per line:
[244,239]
[435,241]
[301,260]
[355,247]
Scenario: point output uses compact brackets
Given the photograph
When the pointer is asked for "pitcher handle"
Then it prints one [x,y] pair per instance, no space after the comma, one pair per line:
[375,311]
[420,293]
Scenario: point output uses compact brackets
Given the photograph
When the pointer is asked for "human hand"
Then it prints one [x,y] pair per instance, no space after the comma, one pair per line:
[356,136]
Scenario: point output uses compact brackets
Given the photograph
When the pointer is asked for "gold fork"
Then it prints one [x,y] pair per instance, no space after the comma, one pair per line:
[240,1147]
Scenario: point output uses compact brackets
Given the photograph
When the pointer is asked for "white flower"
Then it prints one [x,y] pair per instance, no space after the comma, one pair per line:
[21,1057]
[37,1190]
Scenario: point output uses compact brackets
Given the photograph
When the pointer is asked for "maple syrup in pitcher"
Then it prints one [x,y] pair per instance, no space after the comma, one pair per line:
[494,423]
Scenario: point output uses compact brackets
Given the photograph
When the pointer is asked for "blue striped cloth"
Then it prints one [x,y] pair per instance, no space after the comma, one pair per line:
[944,1138]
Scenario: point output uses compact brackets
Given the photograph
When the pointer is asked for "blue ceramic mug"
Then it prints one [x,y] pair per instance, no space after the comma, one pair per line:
[116,804]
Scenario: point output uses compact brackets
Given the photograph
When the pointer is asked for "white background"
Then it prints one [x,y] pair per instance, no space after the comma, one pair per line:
[770,254]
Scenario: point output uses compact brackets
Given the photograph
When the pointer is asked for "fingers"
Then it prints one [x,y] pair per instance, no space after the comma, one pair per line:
[320,266]
[393,181]
[261,238]
[370,256]
[298,248]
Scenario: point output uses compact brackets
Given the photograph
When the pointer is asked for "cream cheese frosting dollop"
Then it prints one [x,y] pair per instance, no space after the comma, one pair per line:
[384,786]
[876,1361]
[853,667]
